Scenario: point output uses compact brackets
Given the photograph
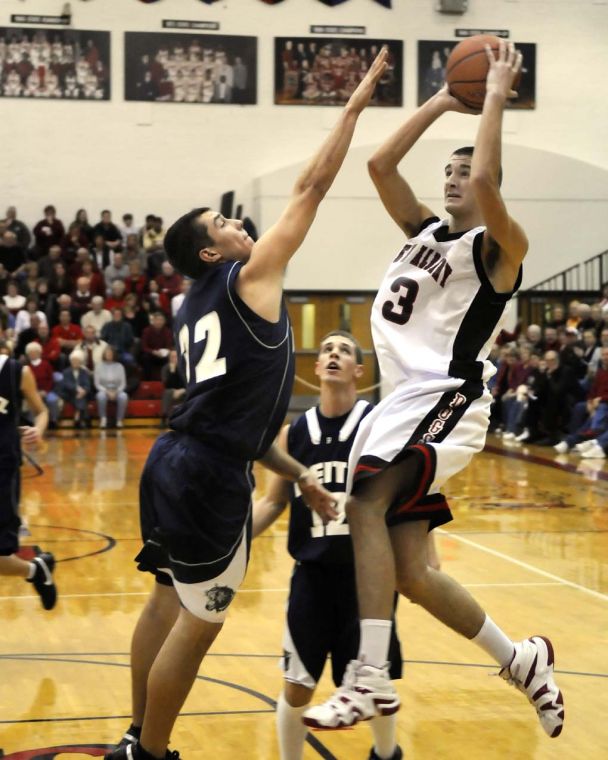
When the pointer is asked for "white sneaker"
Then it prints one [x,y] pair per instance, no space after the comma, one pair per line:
[366,692]
[594,452]
[508,436]
[531,671]
[580,447]
[562,447]
[119,423]
[103,422]
[523,436]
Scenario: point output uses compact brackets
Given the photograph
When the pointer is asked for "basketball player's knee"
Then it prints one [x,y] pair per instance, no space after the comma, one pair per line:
[412,582]
[358,508]
[296,695]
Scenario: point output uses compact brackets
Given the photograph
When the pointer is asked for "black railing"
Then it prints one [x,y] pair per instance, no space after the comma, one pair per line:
[589,275]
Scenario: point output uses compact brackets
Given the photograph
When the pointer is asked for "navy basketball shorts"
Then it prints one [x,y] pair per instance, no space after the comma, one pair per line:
[195,513]
[322,620]
[9,506]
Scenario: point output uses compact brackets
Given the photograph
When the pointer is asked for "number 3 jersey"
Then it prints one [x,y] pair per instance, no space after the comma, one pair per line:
[323,444]
[238,368]
[436,312]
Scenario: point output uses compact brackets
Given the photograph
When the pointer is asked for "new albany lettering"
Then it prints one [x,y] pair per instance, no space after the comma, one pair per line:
[428,259]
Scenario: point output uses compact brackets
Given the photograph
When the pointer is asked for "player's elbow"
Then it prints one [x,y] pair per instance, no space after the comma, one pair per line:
[482,182]
[377,168]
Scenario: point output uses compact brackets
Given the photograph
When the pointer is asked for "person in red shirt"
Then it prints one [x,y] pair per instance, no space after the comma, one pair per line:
[51,349]
[116,299]
[96,283]
[43,374]
[136,282]
[169,281]
[67,333]
[156,342]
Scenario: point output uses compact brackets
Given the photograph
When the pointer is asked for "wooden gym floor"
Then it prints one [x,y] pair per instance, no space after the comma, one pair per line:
[530,539]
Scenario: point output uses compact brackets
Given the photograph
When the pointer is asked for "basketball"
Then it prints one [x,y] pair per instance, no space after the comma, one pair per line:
[467,69]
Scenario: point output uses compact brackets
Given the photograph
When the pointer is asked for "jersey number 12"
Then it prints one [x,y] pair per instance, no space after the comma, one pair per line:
[210,364]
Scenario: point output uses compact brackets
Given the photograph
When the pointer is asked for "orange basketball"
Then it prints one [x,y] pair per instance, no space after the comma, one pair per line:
[467,69]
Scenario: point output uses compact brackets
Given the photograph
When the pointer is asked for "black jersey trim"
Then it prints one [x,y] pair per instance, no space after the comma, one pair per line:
[242,311]
[427,223]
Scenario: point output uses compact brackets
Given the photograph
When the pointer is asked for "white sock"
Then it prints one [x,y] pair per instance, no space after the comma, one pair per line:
[33,567]
[375,641]
[493,641]
[291,731]
[384,730]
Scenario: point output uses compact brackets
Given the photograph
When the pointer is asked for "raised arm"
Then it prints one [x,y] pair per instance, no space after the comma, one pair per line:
[268,508]
[485,170]
[261,279]
[395,193]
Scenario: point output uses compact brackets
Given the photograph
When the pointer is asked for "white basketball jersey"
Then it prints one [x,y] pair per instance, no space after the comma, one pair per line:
[436,312]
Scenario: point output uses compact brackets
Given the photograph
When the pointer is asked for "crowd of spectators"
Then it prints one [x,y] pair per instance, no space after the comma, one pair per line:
[89,306]
[551,384]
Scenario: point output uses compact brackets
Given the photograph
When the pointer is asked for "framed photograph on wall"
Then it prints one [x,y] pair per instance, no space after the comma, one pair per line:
[169,67]
[324,71]
[58,64]
[432,59]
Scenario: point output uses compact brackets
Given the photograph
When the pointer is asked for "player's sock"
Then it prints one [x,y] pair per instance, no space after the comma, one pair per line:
[493,641]
[375,641]
[384,730]
[290,729]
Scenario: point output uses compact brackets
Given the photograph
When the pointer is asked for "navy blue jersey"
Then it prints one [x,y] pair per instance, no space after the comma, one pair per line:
[323,444]
[10,406]
[238,368]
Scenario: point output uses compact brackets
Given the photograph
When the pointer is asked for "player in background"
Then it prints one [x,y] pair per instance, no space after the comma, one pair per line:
[236,353]
[434,321]
[17,383]
[322,616]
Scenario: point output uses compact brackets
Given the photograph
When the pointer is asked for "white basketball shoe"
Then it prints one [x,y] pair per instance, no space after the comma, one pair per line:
[531,671]
[366,692]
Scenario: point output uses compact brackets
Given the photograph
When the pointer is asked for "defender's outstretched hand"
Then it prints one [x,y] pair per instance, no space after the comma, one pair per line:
[503,69]
[317,498]
[365,89]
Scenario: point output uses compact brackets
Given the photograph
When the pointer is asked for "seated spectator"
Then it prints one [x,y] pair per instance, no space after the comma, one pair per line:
[59,282]
[133,252]
[22,233]
[109,231]
[118,334]
[11,253]
[44,297]
[157,301]
[13,300]
[136,282]
[82,220]
[75,268]
[67,332]
[589,418]
[97,316]
[24,316]
[31,278]
[81,300]
[128,228]
[46,264]
[117,270]
[178,300]
[48,232]
[75,387]
[509,377]
[153,236]
[51,350]
[558,317]
[116,297]
[573,317]
[110,382]
[96,283]
[175,389]
[63,301]
[591,352]
[571,352]
[156,342]
[27,335]
[101,254]
[92,348]
[550,339]
[73,242]
[558,391]
[43,373]
[586,321]
[534,337]
[522,423]
[169,281]
[135,315]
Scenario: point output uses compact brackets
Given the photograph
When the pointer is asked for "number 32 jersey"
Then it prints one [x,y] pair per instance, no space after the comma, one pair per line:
[436,312]
[238,368]
[323,444]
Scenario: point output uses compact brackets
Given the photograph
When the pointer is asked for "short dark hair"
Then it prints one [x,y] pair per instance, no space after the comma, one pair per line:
[349,336]
[106,211]
[468,151]
[183,241]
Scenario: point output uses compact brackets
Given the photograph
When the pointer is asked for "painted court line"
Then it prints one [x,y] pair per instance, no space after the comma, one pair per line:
[525,565]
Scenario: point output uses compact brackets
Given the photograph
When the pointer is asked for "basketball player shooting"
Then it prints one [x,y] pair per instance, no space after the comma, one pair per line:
[236,352]
[434,321]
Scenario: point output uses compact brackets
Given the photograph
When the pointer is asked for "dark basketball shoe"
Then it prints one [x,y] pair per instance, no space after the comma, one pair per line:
[43,579]
[397,754]
[131,736]
[135,752]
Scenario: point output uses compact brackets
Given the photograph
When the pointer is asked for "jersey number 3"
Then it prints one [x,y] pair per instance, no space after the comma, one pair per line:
[209,365]
[400,312]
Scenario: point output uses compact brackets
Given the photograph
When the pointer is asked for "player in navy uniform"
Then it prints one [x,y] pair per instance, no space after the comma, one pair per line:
[236,353]
[17,383]
[434,320]
[322,615]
